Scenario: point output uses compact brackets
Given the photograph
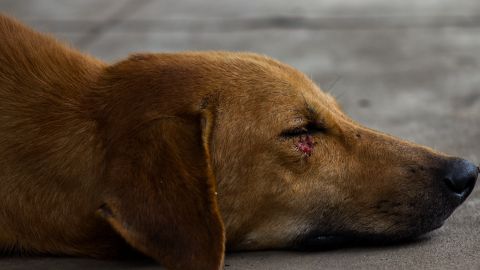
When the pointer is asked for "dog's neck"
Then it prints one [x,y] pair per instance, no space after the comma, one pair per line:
[35,59]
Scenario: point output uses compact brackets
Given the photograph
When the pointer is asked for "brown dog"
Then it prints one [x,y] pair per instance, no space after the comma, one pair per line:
[158,145]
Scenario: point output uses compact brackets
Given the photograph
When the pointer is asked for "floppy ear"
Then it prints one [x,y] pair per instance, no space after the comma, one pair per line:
[161,197]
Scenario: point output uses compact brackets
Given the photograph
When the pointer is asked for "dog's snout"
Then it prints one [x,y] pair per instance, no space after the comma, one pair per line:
[460,176]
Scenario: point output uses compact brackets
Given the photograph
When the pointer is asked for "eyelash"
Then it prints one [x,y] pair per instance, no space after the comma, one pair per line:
[308,129]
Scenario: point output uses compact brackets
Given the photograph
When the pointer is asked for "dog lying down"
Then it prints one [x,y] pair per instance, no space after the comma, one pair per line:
[183,155]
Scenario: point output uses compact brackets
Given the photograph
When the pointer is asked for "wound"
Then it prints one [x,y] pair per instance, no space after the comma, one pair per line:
[305,145]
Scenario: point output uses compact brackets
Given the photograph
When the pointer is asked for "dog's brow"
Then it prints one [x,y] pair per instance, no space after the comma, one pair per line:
[311,113]
[313,116]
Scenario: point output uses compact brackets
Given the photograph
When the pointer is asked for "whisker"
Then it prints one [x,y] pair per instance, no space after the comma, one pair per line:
[332,85]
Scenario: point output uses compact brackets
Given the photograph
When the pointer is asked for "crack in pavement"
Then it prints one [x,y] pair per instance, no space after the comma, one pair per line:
[95,32]
[244,24]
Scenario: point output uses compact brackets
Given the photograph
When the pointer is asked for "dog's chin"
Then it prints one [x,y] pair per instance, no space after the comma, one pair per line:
[409,229]
[322,242]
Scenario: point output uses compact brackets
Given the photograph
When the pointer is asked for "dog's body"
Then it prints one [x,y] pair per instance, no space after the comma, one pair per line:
[49,145]
[145,145]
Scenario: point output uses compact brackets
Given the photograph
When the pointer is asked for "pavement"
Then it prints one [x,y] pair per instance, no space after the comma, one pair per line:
[410,68]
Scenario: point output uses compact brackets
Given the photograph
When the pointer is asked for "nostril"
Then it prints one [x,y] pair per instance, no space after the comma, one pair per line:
[459,185]
[461,176]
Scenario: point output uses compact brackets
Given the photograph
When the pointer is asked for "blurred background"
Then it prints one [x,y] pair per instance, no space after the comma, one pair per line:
[406,67]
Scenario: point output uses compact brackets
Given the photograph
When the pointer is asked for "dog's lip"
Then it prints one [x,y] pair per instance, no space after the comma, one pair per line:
[333,242]
[323,242]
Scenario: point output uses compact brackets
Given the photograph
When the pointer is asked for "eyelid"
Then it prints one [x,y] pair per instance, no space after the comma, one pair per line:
[308,128]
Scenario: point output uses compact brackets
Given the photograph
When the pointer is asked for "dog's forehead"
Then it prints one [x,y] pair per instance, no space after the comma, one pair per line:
[301,87]
[281,79]
[310,103]
[290,100]
[300,92]
[264,88]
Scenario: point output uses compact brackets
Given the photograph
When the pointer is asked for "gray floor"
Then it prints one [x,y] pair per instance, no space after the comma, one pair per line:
[410,68]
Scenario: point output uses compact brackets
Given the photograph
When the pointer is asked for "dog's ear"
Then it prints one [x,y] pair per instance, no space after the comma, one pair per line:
[161,193]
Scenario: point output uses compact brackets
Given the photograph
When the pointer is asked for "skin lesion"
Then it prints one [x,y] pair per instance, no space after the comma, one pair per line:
[305,144]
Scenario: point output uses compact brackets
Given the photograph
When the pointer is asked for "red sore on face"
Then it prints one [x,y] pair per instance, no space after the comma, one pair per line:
[305,145]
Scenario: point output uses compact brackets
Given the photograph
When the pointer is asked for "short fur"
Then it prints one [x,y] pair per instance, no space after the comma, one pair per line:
[150,150]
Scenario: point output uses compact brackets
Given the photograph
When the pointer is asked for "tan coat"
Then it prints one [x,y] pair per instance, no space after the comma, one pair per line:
[158,145]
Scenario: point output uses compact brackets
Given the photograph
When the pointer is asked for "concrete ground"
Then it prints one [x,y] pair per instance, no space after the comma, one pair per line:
[407,67]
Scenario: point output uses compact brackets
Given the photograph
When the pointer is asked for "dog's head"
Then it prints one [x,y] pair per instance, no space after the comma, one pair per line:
[290,166]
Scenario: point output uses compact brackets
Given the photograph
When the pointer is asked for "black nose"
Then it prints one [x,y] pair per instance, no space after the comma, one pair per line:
[461,175]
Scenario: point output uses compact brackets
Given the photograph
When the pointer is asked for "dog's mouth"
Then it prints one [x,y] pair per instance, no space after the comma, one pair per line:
[429,215]
[323,242]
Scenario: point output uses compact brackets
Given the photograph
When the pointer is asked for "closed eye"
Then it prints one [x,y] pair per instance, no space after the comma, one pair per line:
[310,128]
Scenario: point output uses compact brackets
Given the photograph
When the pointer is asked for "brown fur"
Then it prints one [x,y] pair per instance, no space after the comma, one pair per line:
[144,145]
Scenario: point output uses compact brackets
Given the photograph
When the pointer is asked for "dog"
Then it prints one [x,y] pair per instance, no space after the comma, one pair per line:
[182,155]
